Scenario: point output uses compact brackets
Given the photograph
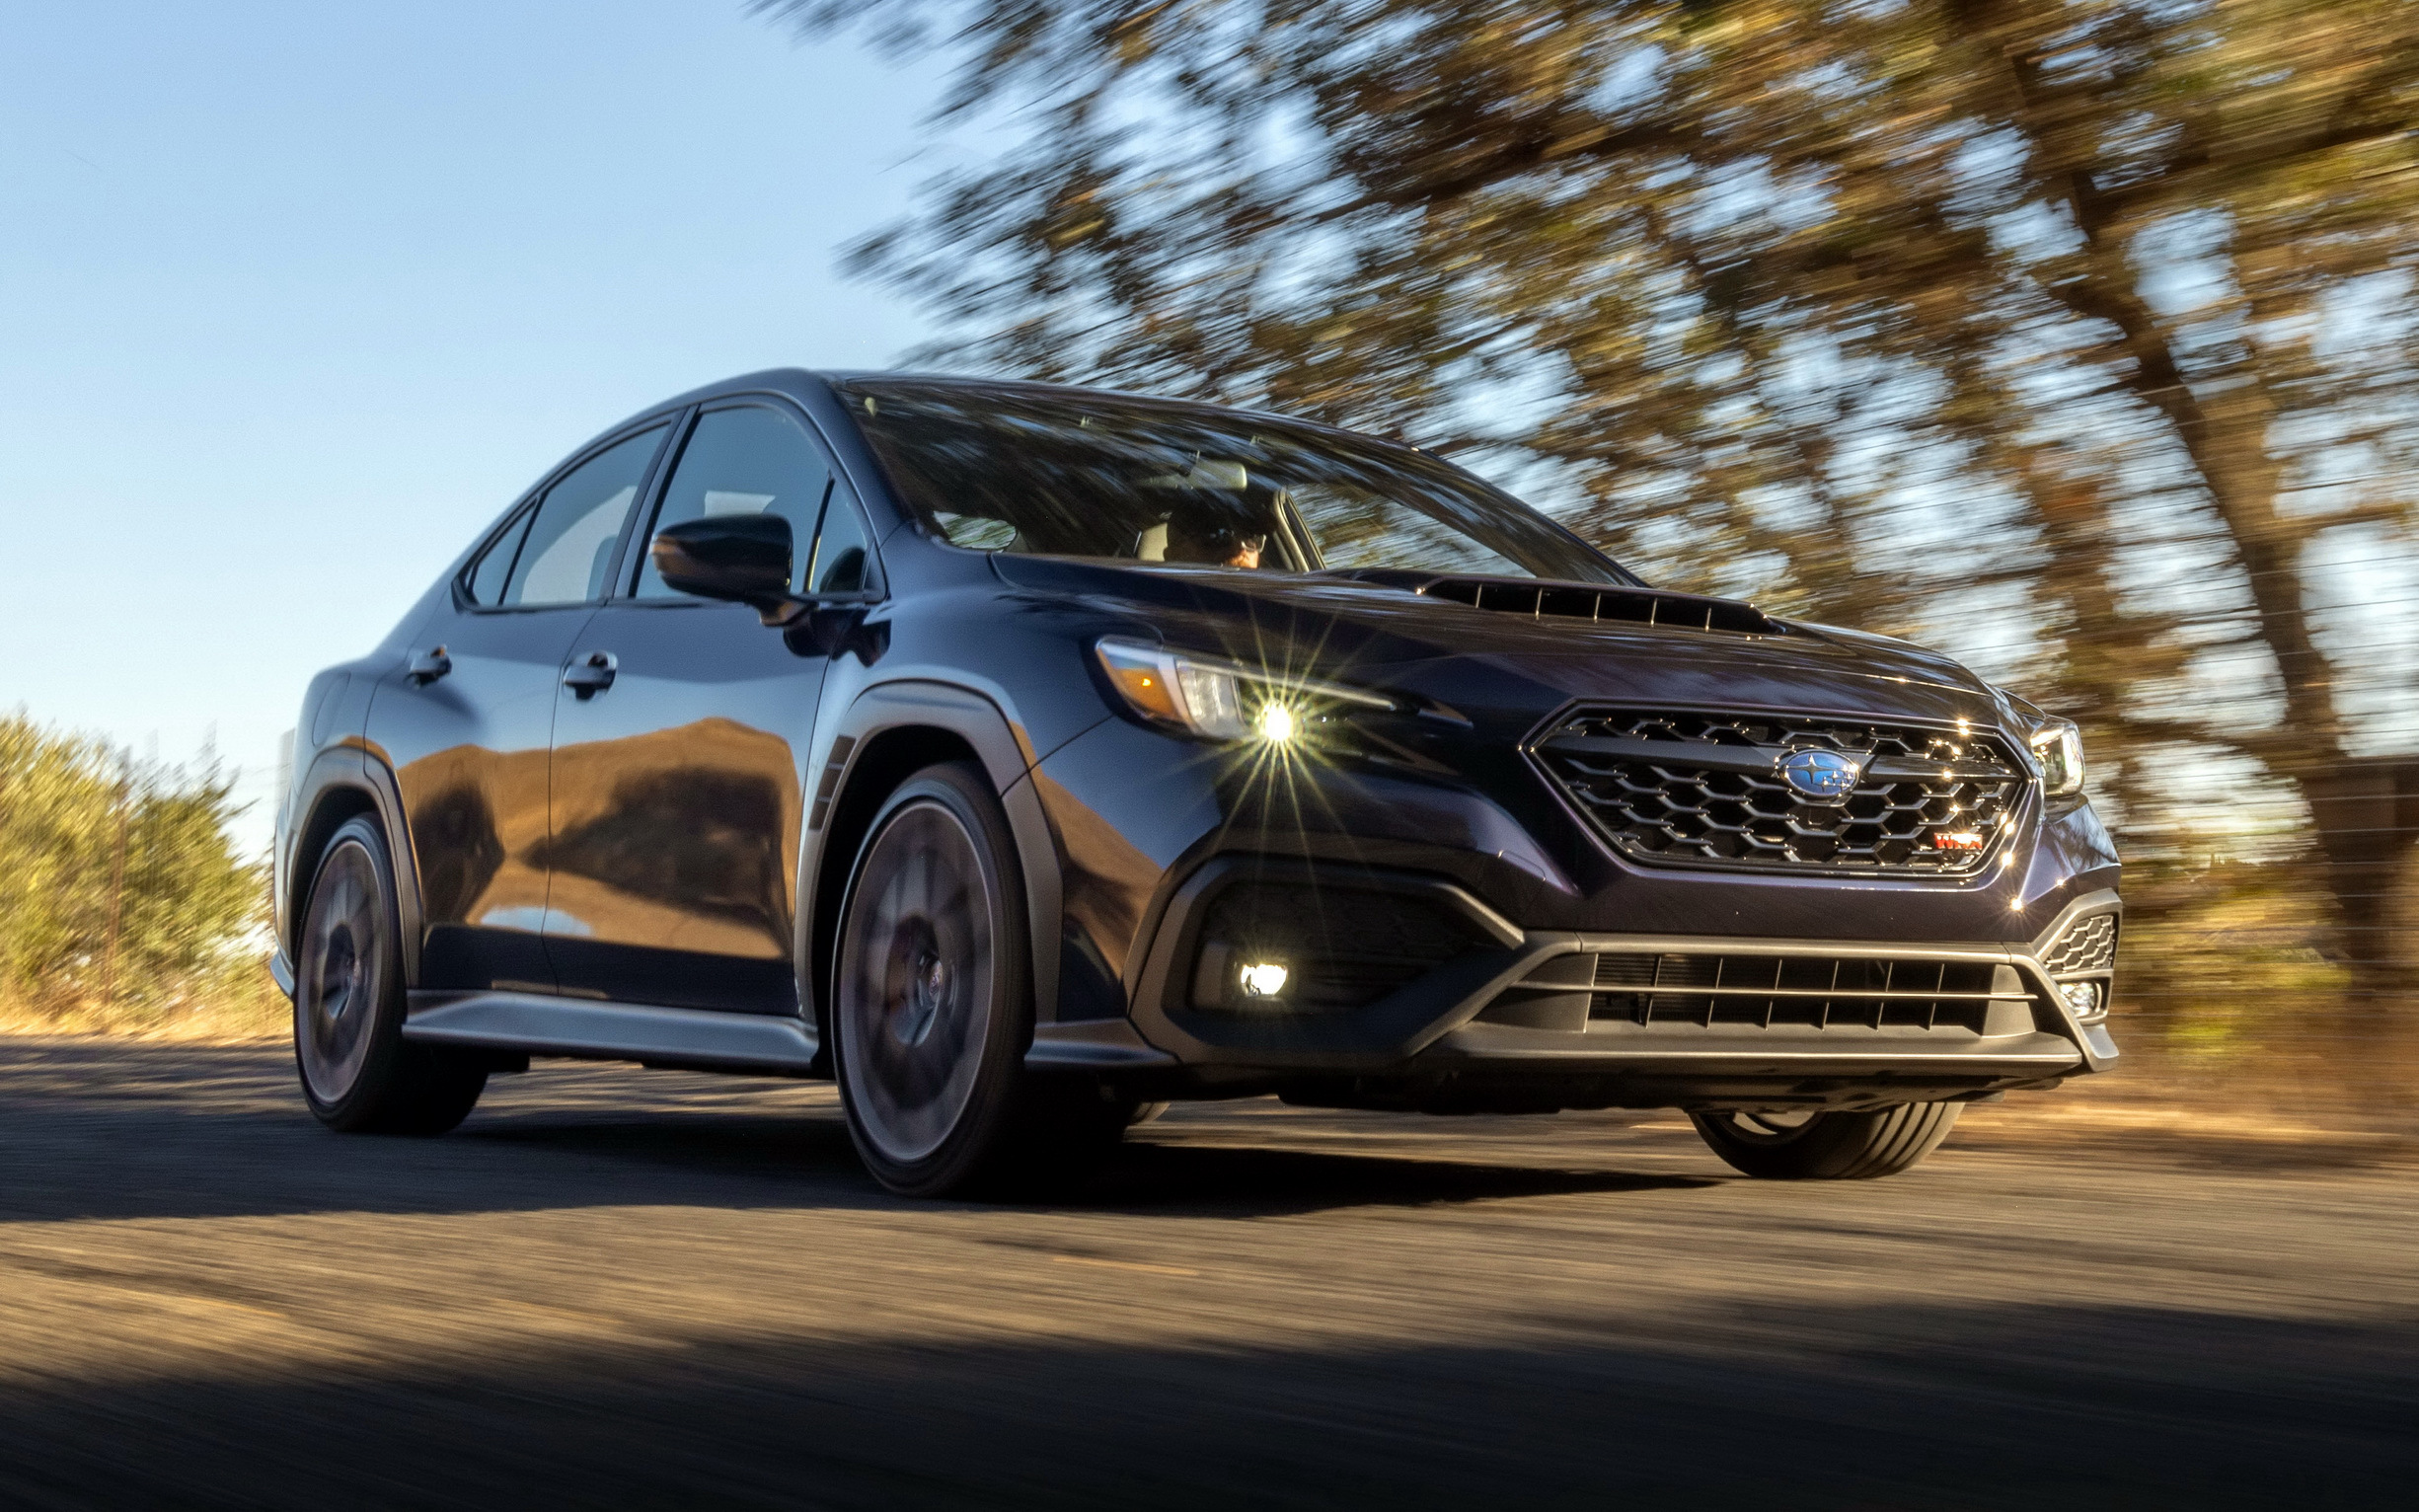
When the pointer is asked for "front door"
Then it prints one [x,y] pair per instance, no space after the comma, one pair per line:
[467,725]
[676,809]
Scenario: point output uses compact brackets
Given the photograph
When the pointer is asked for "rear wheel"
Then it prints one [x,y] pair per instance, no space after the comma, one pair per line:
[932,1008]
[1828,1146]
[359,1073]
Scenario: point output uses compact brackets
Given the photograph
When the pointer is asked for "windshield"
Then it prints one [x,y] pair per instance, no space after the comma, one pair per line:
[1074,474]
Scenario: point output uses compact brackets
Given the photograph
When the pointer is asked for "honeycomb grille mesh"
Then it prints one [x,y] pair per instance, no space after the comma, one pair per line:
[1705,790]
[2088,944]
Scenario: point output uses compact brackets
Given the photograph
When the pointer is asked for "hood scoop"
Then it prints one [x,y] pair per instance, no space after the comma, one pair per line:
[1585,601]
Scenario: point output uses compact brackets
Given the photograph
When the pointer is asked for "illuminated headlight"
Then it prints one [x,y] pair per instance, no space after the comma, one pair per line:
[1222,699]
[2059,746]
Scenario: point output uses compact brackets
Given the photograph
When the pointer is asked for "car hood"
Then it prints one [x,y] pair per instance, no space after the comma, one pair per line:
[1390,635]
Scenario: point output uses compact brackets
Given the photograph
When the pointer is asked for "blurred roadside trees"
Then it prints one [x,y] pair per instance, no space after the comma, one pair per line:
[122,903]
[2075,334]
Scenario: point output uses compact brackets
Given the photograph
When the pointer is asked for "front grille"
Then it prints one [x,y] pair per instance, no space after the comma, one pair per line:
[1820,992]
[1706,790]
[2088,944]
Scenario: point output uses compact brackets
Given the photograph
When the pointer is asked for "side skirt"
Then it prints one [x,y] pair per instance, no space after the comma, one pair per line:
[587,1029]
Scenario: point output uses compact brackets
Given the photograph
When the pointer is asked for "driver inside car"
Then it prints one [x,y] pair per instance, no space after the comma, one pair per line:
[1213,542]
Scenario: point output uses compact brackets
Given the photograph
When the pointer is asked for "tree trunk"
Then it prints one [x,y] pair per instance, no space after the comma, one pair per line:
[2368,822]
[2226,439]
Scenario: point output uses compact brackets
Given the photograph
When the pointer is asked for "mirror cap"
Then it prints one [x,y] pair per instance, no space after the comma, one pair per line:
[745,558]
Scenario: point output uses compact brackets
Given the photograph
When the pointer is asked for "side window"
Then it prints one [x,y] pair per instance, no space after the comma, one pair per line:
[494,565]
[749,460]
[844,554]
[570,550]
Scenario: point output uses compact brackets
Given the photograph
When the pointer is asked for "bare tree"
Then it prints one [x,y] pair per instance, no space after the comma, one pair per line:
[1870,306]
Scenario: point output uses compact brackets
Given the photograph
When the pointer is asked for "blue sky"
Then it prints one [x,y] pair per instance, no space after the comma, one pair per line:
[294,297]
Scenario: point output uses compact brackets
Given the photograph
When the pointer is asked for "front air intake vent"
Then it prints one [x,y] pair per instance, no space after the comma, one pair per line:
[1577,601]
[2089,944]
[1631,606]
[1812,991]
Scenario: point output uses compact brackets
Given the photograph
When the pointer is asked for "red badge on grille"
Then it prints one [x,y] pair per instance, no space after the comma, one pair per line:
[1956,840]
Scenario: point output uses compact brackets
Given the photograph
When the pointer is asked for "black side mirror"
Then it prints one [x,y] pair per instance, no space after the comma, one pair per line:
[744,558]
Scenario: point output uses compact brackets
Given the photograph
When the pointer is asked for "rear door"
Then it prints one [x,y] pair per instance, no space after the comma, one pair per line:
[676,783]
[468,727]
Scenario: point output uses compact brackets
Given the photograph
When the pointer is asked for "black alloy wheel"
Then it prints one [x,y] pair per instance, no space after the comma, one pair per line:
[1828,1146]
[359,1073]
[933,1002]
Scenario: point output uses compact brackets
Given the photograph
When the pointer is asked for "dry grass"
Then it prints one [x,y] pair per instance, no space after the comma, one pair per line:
[247,1011]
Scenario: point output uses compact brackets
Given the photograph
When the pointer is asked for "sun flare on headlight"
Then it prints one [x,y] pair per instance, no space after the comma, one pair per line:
[1226,699]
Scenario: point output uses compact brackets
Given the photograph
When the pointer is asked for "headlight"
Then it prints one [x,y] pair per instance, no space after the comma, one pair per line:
[2059,746]
[1222,699]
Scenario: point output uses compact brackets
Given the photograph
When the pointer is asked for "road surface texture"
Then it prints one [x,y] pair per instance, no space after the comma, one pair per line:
[621,1288]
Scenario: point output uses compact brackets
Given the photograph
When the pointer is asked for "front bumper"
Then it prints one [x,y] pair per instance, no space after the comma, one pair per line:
[1525,1019]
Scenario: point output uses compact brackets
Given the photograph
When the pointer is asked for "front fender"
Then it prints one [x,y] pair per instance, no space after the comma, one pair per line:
[917,703]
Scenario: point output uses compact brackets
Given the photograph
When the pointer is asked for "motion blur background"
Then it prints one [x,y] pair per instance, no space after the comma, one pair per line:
[2074,336]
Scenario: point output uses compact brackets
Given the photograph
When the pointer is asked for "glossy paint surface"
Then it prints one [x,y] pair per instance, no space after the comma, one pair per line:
[673,850]
[470,754]
[679,836]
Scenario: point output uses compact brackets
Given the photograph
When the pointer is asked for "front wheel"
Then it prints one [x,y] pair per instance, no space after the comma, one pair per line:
[1828,1146]
[932,1007]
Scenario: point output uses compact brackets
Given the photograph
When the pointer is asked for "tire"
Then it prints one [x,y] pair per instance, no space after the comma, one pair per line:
[357,1072]
[933,1002]
[1828,1146]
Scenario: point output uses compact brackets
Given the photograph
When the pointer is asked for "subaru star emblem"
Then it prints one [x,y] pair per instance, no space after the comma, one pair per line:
[1824,775]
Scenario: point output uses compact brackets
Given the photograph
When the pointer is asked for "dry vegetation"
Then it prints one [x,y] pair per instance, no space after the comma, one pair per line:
[124,908]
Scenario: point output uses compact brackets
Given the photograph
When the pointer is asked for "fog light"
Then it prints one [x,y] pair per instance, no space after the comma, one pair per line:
[2083,996]
[1276,724]
[1262,979]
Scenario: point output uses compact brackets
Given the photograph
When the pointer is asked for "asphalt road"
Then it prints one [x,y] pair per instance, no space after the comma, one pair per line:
[621,1288]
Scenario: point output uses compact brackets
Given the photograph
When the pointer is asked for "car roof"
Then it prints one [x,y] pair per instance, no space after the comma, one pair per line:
[973,381]
[801,382]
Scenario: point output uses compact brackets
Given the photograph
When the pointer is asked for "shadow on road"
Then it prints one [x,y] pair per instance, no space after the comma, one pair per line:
[168,1131]
[1809,1405]
[1230,1181]
[1175,1180]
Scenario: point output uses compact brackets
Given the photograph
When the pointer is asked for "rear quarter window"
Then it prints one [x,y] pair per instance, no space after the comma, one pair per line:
[484,582]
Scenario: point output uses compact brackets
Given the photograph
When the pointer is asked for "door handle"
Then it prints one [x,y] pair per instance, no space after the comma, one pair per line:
[429,665]
[590,675]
